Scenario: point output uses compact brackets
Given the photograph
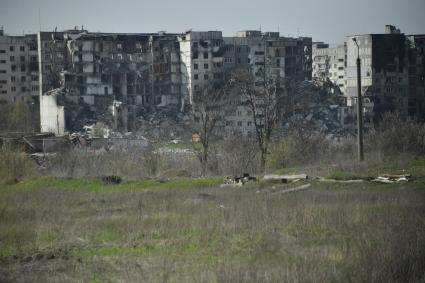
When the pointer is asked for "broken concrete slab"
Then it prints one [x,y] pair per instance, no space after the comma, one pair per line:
[285,178]
[388,179]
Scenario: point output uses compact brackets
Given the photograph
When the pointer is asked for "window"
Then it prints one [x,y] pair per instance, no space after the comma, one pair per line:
[206,77]
[238,49]
[22,48]
[2,61]
[23,68]
[12,58]
[13,88]
[13,68]
[23,89]
[239,113]
[23,79]
[22,58]
[12,78]
[2,51]
[240,123]
[195,45]
[195,76]
[12,48]
[195,66]
[205,55]
[34,78]
[47,68]
[205,66]
[249,124]
[34,59]
[2,71]
[4,91]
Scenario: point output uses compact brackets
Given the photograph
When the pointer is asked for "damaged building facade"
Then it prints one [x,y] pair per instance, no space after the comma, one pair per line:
[329,64]
[109,77]
[208,56]
[392,73]
[264,52]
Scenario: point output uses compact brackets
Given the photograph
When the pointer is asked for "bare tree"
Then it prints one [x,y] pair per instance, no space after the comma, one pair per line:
[209,103]
[270,99]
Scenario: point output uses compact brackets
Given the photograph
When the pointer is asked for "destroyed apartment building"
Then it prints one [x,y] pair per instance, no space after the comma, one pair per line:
[113,78]
[392,74]
[123,79]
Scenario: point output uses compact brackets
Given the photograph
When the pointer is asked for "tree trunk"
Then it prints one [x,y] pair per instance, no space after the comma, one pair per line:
[263,160]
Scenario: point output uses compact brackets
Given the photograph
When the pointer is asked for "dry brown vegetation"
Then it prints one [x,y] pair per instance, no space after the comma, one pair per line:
[163,224]
[55,230]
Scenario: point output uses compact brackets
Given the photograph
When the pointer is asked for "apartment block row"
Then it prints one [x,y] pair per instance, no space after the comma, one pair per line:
[76,76]
[392,72]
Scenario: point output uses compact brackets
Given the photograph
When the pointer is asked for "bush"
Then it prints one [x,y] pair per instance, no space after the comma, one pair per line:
[15,166]
[298,147]
[395,136]
[237,156]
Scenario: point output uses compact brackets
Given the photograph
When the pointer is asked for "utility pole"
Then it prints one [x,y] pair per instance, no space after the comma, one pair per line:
[359,106]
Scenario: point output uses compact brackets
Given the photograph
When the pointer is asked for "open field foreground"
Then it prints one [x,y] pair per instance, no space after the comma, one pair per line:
[191,230]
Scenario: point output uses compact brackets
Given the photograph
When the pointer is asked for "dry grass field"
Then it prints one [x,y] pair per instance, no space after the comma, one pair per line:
[191,230]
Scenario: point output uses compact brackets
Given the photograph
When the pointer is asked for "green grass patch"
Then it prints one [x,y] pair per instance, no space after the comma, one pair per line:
[339,175]
[96,185]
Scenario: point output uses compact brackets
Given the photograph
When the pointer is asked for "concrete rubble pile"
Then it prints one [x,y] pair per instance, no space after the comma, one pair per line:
[238,180]
[164,123]
[321,112]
